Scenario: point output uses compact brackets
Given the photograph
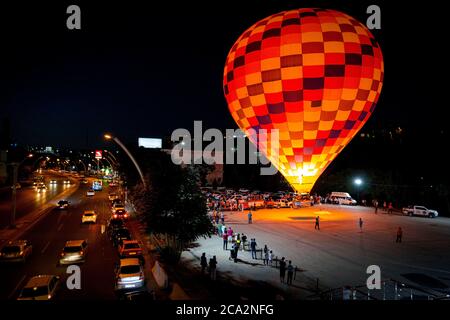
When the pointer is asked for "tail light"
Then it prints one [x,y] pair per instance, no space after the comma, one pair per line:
[126,215]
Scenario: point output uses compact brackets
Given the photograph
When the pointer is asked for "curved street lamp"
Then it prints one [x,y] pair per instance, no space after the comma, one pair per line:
[358,182]
[116,140]
[16,166]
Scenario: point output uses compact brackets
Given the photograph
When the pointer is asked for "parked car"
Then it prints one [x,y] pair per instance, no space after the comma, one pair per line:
[342,198]
[73,252]
[121,235]
[420,211]
[42,287]
[16,251]
[114,225]
[129,274]
[120,214]
[118,206]
[130,248]
[90,193]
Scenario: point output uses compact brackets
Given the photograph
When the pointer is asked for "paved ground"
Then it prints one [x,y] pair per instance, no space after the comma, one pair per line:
[339,253]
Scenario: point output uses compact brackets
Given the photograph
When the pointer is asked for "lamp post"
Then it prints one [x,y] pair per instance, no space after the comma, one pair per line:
[358,182]
[116,140]
[84,166]
[16,166]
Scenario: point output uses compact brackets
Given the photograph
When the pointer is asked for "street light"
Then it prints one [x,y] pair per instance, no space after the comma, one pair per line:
[14,189]
[116,140]
[358,182]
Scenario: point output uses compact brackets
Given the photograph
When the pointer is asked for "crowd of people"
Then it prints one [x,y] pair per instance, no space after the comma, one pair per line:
[236,242]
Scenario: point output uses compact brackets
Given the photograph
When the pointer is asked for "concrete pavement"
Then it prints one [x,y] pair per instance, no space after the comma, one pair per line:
[339,253]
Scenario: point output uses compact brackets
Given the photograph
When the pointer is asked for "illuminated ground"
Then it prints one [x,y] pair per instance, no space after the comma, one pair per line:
[339,253]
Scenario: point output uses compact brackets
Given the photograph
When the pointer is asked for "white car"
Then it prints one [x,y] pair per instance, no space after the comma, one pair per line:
[420,211]
[129,274]
[90,193]
[89,216]
[42,287]
[73,252]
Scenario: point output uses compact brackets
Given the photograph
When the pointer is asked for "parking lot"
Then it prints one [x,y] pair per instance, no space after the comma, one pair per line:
[339,254]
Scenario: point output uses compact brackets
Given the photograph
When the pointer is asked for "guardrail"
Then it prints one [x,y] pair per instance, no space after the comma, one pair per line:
[390,290]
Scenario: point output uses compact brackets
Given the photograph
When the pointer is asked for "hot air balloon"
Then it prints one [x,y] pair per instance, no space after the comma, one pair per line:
[313,74]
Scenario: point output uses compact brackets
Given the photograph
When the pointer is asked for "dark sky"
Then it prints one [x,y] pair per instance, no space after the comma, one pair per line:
[140,70]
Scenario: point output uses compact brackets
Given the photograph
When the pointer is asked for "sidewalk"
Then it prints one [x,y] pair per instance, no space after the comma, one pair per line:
[248,279]
[249,275]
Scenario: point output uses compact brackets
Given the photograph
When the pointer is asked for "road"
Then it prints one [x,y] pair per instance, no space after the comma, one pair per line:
[28,199]
[48,237]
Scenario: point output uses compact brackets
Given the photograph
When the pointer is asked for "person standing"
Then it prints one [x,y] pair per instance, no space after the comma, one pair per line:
[266,257]
[375,204]
[222,217]
[250,217]
[224,229]
[219,229]
[360,224]
[390,210]
[399,235]
[290,273]
[212,267]
[230,234]
[253,248]
[282,270]
[225,240]
[236,249]
[244,241]
[203,263]
[270,257]
[317,225]
[238,242]
[384,206]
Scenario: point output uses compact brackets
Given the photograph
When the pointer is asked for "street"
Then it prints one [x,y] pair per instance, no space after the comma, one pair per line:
[28,199]
[48,237]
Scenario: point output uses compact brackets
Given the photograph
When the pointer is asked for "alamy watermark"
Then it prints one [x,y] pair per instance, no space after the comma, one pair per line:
[226,149]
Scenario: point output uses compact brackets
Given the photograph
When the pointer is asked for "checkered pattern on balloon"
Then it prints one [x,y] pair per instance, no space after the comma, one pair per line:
[313,74]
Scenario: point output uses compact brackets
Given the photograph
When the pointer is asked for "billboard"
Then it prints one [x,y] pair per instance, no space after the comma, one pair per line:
[98,154]
[150,143]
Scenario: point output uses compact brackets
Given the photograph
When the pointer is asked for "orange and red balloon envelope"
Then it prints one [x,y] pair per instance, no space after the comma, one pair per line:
[313,74]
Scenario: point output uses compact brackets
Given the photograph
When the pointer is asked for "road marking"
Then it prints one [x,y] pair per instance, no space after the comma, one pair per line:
[103,229]
[17,287]
[46,246]
[60,227]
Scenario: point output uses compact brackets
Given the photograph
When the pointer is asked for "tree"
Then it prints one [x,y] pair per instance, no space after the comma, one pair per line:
[172,206]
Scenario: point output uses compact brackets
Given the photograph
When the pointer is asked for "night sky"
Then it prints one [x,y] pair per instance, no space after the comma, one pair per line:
[145,70]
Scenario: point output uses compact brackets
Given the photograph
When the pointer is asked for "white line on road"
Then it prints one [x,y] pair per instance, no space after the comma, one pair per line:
[45,248]
[60,227]
[17,287]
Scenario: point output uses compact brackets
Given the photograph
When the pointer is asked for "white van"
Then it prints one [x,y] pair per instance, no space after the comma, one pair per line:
[342,198]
